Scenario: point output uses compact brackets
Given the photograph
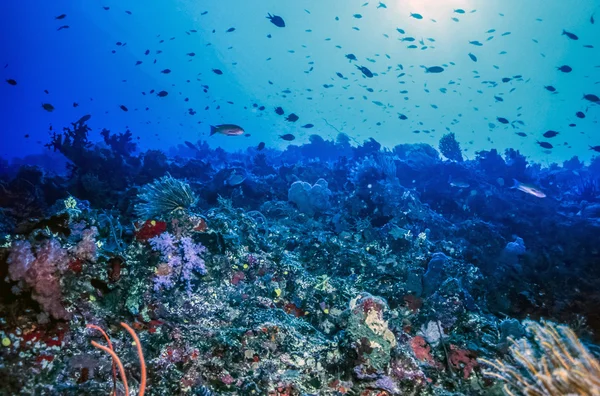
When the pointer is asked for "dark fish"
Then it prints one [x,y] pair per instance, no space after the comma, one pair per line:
[124,108]
[570,35]
[63,27]
[340,75]
[506,79]
[217,71]
[85,118]
[351,57]
[127,12]
[307,126]
[592,98]
[595,148]
[477,43]
[403,117]
[191,145]
[61,16]
[433,69]
[401,31]
[162,94]
[416,16]
[498,99]
[279,110]
[260,146]
[550,88]
[276,20]
[473,57]
[365,71]
[522,134]
[459,11]
[75,104]
[191,54]
[288,136]
[409,39]
[502,120]
[292,117]
[565,69]
[227,130]
[231,29]
[147,52]
[48,107]
[382,5]
[592,19]
[106,8]
[357,16]
[550,134]
[11,81]
[166,71]
[138,63]
[580,114]
[545,145]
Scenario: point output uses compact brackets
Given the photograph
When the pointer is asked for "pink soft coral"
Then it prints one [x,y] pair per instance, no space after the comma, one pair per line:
[41,272]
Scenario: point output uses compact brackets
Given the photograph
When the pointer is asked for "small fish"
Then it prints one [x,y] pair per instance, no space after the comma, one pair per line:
[572,36]
[416,16]
[592,19]
[550,88]
[565,69]
[473,57]
[477,43]
[351,57]
[522,134]
[75,104]
[11,81]
[260,146]
[191,54]
[365,71]
[227,130]
[401,31]
[550,134]
[231,29]
[580,114]
[166,71]
[123,107]
[191,145]
[292,117]
[459,11]
[498,99]
[162,94]
[502,120]
[382,5]
[528,189]
[48,107]
[234,179]
[276,20]
[138,63]
[409,39]
[61,16]
[85,118]
[307,126]
[217,71]
[63,27]
[288,137]
[279,110]
[545,145]
[595,148]
[592,98]
[357,16]
[433,69]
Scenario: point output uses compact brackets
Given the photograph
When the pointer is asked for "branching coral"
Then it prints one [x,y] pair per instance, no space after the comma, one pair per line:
[553,363]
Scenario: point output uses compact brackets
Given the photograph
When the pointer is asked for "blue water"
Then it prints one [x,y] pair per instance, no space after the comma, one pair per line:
[292,67]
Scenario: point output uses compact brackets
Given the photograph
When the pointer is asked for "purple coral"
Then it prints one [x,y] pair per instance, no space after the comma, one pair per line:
[181,258]
[41,272]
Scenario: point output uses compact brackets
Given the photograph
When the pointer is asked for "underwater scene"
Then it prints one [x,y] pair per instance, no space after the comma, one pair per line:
[297,198]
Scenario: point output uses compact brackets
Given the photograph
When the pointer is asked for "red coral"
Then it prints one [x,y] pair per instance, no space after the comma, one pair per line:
[150,229]
[421,350]
[462,359]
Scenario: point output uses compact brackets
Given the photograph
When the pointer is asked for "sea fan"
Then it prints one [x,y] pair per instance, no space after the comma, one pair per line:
[553,363]
[163,197]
